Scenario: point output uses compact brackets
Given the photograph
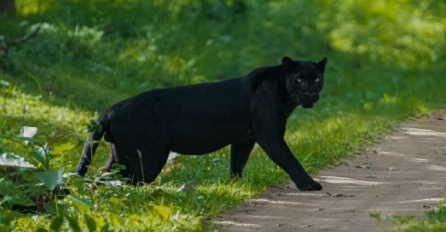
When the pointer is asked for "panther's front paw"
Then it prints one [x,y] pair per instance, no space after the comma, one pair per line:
[309,185]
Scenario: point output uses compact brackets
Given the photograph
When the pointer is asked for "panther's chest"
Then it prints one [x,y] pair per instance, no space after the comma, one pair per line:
[289,108]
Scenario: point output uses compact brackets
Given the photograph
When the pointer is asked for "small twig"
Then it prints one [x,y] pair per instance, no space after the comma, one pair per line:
[17,42]
[142,167]
[338,195]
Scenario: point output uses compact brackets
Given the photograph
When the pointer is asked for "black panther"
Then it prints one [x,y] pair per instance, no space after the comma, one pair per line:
[203,118]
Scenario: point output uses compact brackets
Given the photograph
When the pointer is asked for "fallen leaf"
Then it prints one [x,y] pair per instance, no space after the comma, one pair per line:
[165,212]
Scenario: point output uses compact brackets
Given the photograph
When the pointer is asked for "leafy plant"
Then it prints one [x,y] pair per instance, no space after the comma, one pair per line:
[386,63]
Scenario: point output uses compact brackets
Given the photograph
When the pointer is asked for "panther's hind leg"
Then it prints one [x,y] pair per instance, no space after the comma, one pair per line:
[146,157]
[117,158]
[239,156]
[153,161]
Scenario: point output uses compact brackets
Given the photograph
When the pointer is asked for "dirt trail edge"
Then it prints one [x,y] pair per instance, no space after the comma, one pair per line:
[405,174]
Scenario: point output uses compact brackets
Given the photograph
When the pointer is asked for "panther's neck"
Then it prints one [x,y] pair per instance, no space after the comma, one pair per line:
[283,94]
[271,77]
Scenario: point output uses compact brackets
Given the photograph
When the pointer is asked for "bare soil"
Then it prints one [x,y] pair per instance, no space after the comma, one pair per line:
[404,174]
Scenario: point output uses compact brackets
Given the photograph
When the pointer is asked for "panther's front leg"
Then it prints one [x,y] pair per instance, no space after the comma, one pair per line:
[278,151]
[269,125]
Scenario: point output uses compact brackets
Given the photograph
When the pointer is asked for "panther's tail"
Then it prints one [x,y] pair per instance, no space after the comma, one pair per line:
[90,147]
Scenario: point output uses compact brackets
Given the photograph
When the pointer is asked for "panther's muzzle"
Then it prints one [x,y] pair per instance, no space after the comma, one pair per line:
[309,99]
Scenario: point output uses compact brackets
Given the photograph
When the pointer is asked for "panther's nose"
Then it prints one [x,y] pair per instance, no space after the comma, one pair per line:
[312,96]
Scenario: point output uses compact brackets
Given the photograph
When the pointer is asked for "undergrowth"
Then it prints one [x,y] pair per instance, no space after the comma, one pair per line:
[384,66]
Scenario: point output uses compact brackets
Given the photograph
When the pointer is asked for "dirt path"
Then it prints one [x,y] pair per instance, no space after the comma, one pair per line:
[404,174]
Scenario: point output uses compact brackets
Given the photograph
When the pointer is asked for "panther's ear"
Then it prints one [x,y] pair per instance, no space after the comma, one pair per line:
[288,64]
[321,65]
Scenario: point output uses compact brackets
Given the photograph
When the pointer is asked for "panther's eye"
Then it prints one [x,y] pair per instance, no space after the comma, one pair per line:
[299,80]
[316,80]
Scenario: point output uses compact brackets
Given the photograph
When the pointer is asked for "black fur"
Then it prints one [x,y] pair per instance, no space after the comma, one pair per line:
[203,118]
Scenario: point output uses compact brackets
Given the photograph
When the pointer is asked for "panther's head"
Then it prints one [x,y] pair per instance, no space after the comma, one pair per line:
[304,80]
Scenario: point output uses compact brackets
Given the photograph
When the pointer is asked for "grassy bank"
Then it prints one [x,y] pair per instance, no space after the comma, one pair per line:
[434,220]
[383,67]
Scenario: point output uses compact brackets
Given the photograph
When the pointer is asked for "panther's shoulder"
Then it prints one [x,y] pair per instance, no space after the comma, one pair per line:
[258,76]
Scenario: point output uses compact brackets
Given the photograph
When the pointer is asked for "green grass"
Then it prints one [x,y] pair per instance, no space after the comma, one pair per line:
[383,67]
[435,220]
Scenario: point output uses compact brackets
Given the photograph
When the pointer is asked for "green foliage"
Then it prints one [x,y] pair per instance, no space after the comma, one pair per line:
[94,127]
[438,215]
[51,179]
[386,63]
[56,223]
[435,221]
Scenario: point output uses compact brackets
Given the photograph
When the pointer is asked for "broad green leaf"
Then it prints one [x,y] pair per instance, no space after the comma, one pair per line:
[91,223]
[56,223]
[57,137]
[61,148]
[51,179]
[74,224]
[28,132]
[133,217]
[39,157]
[114,221]
[8,217]
[99,222]
[82,205]
[106,227]
[82,200]
[81,208]
[116,200]
[10,159]
[165,212]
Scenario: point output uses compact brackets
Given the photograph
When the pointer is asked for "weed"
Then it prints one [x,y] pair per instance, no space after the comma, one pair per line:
[386,63]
